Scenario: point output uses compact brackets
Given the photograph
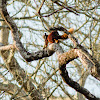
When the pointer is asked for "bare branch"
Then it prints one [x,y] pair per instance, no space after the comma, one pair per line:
[87,60]
[53,12]
[68,8]
[41,6]
[65,58]
[26,55]
[11,88]
[75,85]
[8,47]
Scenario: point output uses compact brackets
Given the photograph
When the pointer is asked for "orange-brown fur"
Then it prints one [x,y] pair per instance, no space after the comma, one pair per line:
[54,37]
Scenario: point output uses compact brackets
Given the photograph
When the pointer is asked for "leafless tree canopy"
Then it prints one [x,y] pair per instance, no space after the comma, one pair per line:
[29,72]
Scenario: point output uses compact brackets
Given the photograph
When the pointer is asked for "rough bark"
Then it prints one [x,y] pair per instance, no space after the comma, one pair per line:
[87,60]
[19,73]
[13,67]
[24,53]
[64,58]
[75,85]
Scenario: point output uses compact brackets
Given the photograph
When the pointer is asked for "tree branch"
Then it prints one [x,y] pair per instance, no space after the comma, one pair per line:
[7,47]
[24,53]
[87,60]
[66,7]
[64,59]
[75,85]
[11,89]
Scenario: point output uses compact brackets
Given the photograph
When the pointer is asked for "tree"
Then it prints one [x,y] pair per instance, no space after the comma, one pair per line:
[46,15]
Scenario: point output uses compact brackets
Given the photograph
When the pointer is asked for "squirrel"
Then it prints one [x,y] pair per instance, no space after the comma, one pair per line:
[54,37]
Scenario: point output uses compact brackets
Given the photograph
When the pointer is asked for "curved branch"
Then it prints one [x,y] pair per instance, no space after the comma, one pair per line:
[65,58]
[24,53]
[87,60]
[75,85]
[47,52]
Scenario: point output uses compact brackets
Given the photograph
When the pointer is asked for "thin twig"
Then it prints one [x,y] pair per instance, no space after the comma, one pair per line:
[53,12]
[68,8]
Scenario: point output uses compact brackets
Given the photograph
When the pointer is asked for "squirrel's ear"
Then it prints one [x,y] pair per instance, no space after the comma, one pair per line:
[45,36]
[71,30]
